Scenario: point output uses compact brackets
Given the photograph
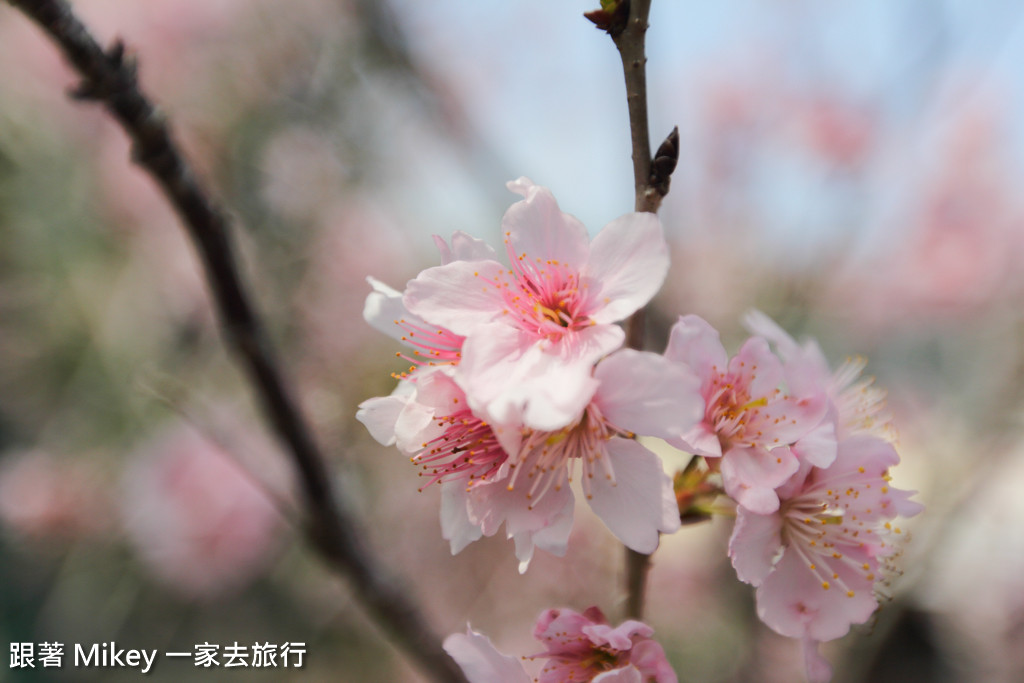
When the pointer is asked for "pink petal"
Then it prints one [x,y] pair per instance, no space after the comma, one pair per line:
[619,638]
[670,520]
[481,662]
[807,370]
[786,420]
[647,394]
[459,296]
[561,631]
[754,544]
[756,367]
[818,447]
[696,344]
[649,657]
[817,667]
[761,325]
[794,603]
[536,227]
[513,380]
[464,248]
[553,538]
[750,476]
[544,522]
[628,262]
[701,440]
[631,506]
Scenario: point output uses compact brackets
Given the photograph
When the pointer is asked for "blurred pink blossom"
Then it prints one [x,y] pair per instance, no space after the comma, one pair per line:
[579,648]
[197,518]
[43,497]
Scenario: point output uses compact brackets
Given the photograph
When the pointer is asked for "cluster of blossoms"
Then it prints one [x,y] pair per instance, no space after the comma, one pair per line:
[805,454]
[518,384]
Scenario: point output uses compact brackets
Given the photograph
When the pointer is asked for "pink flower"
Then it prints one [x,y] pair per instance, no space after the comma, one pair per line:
[859,407]
[43,497]
[579,648]
[198,520]
[748,420]
[518,477]
[533,330]
[818,560]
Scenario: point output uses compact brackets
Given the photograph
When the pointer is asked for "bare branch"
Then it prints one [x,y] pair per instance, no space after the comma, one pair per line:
[626,22]
[109,77]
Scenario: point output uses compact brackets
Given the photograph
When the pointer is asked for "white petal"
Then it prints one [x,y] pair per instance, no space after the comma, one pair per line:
[629,674]
[379,415]
[628,263]
[701,440]
[670,519]
[481,662]
[384,308]
[456,528]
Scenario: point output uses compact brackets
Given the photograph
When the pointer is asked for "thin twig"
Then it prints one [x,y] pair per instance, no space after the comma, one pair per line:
[630,43]
[626,23]
[109,77]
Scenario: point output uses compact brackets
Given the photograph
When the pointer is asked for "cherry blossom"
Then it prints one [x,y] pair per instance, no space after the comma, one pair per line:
[748,420]
[198,520]
[859,407]
[550,313]
[579,648]
[519,477]
[818,561]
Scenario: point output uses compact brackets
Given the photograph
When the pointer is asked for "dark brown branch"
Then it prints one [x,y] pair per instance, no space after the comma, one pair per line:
[630,43]
[109,78]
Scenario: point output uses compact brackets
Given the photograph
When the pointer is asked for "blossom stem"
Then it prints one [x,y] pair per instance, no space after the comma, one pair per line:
[630,44]
[109,77]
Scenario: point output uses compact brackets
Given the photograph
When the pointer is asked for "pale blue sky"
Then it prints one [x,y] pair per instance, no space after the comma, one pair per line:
[544,89]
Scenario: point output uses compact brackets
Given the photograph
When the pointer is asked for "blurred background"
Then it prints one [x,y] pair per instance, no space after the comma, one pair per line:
[849,168]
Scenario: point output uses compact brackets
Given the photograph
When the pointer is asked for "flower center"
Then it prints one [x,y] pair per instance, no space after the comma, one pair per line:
[729,408]
[837,527]
[467,451]
[546,458]
[544,297]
